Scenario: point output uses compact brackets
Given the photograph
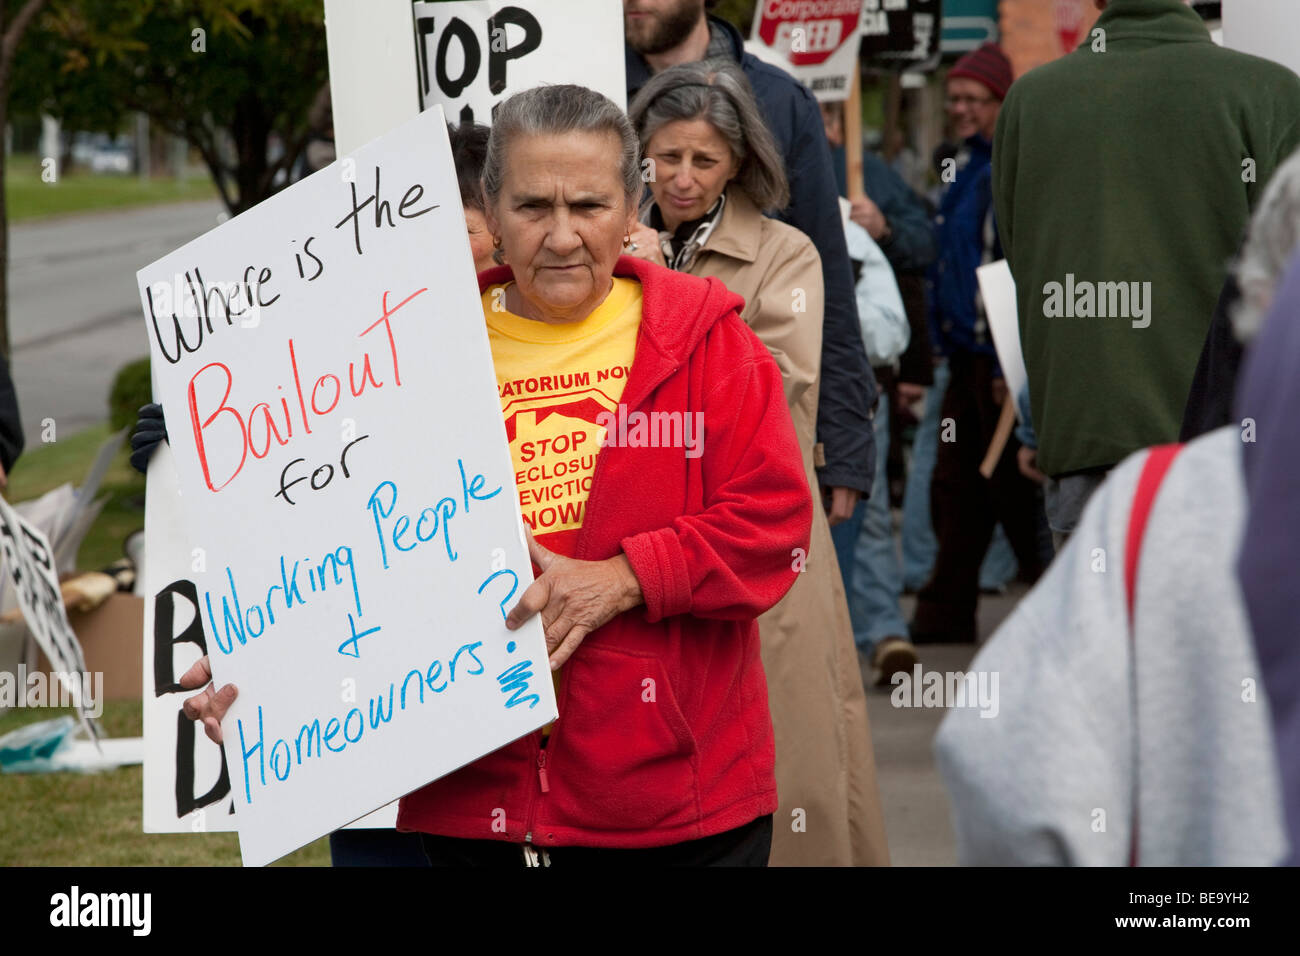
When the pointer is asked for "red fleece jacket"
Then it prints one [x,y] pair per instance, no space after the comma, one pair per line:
[664,733]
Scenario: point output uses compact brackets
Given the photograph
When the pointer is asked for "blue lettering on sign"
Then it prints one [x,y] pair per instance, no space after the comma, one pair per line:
[430,521]
[240,624]
[514,586]
[514,681]
[309,742]
[352,641]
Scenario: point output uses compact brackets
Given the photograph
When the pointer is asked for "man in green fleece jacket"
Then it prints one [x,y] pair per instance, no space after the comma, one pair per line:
[1123,177]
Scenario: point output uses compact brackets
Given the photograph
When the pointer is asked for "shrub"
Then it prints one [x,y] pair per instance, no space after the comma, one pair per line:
[131,389]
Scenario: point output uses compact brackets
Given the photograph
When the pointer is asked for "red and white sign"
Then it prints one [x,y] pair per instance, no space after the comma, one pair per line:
[815,40]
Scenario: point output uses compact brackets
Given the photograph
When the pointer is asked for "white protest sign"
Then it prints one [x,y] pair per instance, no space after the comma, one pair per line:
[814,40]
[475,53]
[30,564]
[998,290]
[186,780]
[1266,28]
[372,69]
[346,479]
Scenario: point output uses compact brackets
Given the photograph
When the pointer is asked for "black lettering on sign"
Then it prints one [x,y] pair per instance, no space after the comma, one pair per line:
[497,59]
[461,31]
[499,53]
[187,732]
[164,603]
[423,28]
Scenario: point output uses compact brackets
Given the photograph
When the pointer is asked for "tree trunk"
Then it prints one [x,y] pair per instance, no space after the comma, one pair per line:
[13,31]
[251,132]
[4,233]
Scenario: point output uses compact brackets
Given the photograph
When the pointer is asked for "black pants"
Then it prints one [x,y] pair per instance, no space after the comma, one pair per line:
[748,845]
[965,507]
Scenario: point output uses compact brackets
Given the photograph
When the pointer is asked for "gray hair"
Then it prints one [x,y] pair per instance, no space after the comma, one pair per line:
[1270,241]
[718,92]
[556,110]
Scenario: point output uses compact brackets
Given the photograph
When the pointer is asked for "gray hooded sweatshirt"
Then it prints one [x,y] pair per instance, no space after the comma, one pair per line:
[1050,779]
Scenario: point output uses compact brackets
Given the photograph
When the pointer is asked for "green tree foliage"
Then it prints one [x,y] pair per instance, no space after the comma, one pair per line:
[229,76]
[738,12]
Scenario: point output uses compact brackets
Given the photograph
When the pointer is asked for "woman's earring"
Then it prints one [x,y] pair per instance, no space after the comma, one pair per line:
[498,254]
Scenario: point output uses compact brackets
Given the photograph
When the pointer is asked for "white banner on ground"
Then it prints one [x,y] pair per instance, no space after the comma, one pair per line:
[998,290]
[30,565]
[475,53]
[342,461]
[815,40]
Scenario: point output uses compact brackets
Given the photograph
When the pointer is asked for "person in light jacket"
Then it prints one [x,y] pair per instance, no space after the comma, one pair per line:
[716,169]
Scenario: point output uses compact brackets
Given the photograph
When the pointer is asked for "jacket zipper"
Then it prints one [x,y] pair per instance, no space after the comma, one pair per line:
[543,777]
[541,769]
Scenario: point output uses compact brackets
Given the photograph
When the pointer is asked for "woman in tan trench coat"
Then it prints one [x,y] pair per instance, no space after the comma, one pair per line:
[713,167]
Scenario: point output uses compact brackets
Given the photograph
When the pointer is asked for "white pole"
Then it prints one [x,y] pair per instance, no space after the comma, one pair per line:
[373,76]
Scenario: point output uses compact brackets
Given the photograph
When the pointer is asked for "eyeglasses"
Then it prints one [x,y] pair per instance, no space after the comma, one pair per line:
[952,101]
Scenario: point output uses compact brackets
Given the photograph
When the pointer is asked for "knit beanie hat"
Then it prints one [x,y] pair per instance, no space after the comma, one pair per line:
[987,65]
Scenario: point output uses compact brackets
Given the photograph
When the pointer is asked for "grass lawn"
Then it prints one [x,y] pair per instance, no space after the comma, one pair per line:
[46,466]
[69,819]
[29,197]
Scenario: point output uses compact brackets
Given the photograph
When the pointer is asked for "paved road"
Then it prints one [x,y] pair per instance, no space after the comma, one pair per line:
[917,817]
[74,312]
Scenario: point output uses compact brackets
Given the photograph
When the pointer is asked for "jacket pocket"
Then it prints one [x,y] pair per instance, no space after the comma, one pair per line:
[624,751]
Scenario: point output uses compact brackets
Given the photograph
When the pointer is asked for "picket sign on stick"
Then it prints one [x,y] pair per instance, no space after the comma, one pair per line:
[815,42]
[475,53]
[29,561]
[853,137]
[372,60]
[346,480]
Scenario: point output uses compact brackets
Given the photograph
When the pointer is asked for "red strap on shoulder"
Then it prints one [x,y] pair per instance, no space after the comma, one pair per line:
[1153,473]
[1144,496]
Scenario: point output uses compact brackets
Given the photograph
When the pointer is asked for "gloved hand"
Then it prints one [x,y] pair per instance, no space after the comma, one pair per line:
[150,429]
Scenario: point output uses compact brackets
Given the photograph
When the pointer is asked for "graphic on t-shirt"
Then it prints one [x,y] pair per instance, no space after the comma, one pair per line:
[554,441]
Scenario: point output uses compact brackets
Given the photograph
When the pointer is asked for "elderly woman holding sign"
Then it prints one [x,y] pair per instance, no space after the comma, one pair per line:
[658,469]
[715,169]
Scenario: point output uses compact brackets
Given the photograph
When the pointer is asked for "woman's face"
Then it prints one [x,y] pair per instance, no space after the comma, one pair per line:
[692,165]
[480,239]
[562,215]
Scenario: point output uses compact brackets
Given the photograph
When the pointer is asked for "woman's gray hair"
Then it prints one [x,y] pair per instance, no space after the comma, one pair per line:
[717,91]
[554,111]
[1271,239]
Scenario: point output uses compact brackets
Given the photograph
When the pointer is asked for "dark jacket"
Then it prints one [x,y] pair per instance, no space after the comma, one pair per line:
[1209,403]
[848,389]
[910,250]
[709,540]
[910,246]
[11,422]
[967,239]
[1270,543]
[1079,198]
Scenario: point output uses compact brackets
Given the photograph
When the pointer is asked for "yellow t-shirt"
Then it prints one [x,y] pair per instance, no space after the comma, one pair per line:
[554,380]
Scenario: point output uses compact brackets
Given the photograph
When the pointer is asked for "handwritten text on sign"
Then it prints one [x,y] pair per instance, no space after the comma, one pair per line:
[333,412]
[475,53]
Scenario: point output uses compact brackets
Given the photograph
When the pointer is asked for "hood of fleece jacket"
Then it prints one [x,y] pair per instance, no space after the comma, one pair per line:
[677,312]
